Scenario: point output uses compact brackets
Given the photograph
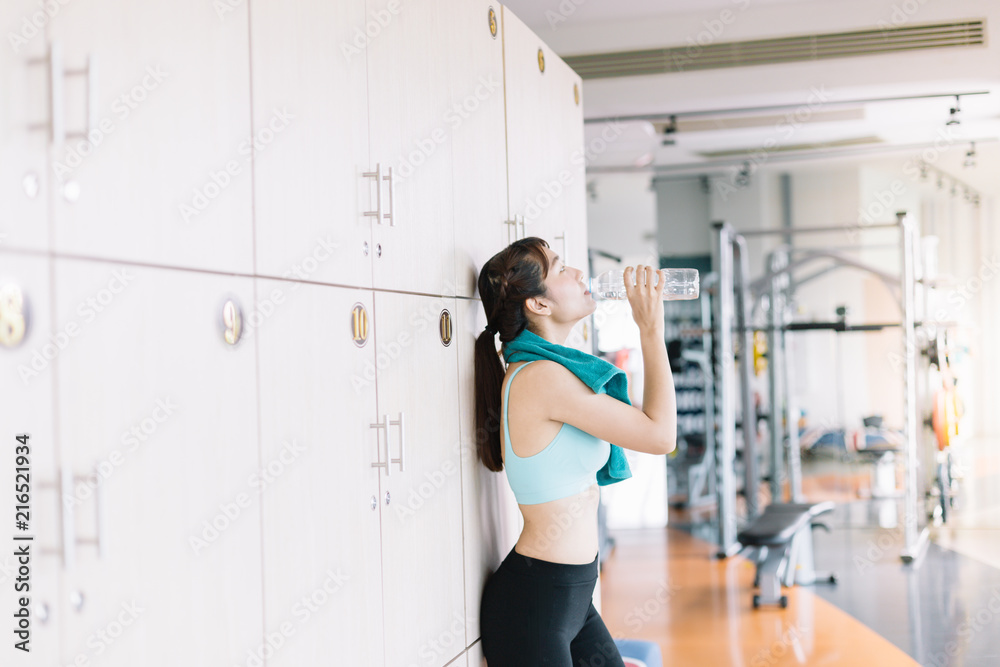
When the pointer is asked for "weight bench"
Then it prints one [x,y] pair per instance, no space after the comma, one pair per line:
[782,539]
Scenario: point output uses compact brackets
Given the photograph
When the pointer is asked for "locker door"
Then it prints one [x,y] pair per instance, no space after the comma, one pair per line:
[410,126]
[164,88]
[310,195]
[320,496]
[421,492]
[541,172]
[479,141]
[158,423]
[26,387]
[475,655]
[490,516]
[24,131]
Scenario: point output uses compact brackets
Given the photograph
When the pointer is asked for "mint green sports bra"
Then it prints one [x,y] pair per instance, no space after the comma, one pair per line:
[568,465]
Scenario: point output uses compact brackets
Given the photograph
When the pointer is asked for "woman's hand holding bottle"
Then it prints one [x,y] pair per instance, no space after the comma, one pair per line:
[644,290]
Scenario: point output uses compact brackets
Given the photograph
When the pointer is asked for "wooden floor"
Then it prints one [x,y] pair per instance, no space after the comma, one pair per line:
[665,586]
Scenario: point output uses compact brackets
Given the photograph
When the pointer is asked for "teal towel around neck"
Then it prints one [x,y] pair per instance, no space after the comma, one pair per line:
[598,374]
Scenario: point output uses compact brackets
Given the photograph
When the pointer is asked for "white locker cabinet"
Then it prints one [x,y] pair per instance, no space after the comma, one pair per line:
[24,135]
[159,410]
[162,90]
[409,112]
[26,407]
[309,188]
[544,155]
[478,140]
[492,520]
[475,655]
[420,492]
[322,552]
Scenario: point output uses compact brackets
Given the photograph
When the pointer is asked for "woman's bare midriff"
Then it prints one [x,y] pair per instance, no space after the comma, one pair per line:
[562,530]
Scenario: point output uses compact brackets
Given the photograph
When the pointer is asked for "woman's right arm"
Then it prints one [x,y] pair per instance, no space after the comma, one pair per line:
[659,400]
[654,428]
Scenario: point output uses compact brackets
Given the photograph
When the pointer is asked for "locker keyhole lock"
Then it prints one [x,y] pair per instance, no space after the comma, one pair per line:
[378,249]
[374,503]
[386,497]
[364,248]
[30,184]
[42,612]
[71,191]
[76,600]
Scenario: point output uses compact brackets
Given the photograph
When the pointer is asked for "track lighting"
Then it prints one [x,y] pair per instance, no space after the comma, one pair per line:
[970,156]
[743,177]
[955,110]
[669,130]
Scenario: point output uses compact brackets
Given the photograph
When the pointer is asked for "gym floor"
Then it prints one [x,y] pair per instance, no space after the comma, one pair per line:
[945,610]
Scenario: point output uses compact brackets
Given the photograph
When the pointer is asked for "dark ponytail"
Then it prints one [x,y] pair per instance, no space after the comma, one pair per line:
[507,280]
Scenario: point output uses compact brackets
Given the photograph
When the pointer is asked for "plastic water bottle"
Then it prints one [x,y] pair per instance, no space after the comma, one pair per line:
[679,284]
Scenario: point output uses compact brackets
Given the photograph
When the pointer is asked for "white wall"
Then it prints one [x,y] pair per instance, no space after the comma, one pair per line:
[621,214]
[683,217]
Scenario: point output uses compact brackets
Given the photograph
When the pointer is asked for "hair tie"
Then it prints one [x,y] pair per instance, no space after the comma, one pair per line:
[491,329]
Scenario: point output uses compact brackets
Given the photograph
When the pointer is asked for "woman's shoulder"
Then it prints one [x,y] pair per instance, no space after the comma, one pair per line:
[546,377]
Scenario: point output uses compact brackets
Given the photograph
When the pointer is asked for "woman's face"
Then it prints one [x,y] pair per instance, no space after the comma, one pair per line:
[567,292]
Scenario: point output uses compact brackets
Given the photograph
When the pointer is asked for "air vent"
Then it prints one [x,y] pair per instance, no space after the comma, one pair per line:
[782,50]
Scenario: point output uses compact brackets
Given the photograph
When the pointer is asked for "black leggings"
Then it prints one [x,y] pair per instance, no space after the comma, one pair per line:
[536,612]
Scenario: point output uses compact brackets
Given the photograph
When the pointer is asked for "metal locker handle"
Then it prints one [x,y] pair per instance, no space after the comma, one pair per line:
[377,175]
[67,549]
[53,61]
[382,425]
[511,223]
[402,440]
[391,214]
[563,238]
[524,227]
[90,72]
[98,539]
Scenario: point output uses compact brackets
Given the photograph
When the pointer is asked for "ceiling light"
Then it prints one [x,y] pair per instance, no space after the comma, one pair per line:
[970,156]
[955,110]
